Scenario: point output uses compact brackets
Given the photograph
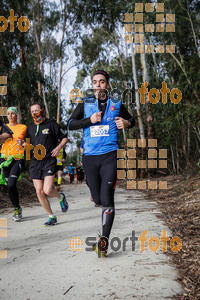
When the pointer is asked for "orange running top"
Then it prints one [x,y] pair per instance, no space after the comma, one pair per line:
[10,147]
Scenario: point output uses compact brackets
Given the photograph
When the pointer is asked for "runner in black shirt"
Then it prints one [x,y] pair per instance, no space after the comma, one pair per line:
[46,133]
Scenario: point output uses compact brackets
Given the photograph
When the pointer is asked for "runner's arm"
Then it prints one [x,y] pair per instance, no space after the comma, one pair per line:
[55,151]
[126,116]
[5,132]
[76,120]
[22,142]
[61,136]
[4,136]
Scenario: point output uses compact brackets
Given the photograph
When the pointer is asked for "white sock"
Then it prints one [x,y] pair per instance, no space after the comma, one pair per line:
[51,216]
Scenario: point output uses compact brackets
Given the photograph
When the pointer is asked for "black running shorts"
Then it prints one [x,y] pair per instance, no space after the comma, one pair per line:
[59,168]
[41,168]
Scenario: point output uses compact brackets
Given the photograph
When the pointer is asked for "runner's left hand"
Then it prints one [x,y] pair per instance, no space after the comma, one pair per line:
[55,152]
[121,123]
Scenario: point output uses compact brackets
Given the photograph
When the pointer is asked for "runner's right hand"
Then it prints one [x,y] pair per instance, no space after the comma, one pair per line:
[19,141]
[96,117]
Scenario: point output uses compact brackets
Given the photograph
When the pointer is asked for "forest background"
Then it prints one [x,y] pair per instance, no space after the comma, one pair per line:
[66,41]
[69,36]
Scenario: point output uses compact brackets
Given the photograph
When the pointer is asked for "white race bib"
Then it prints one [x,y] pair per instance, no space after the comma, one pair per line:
[99,130]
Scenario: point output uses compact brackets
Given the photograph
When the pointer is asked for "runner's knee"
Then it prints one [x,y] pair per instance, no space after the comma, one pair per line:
[107,196]
[11,184]
[39,192]
[108,202]
[48,190]
[97,200]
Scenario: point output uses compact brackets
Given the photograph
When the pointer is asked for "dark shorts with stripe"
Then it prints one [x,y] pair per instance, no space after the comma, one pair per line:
[41,168]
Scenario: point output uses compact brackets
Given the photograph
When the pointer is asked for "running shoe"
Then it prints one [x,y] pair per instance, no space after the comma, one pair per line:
[51,221]
[63,203]
[101,248]
[17,216]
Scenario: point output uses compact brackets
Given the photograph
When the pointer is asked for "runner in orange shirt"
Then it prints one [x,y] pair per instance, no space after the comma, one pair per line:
[12,160]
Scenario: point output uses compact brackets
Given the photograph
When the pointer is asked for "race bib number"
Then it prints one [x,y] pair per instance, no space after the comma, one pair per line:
[99,130]
[58,160]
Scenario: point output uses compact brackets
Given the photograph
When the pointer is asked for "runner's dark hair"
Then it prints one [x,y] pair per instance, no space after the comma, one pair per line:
[102,72]
[38,103]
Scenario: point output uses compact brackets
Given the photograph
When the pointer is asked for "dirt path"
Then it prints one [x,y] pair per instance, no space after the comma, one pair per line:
[41,265]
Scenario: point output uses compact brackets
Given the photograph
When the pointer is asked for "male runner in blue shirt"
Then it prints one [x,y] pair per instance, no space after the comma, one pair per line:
[101,117]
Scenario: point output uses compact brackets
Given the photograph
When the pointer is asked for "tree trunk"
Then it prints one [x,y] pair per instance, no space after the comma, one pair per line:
[51,82]
[22,53]
[61,61]
[38,49]
[184,143]
[155,63]
[129,103]
[41,61]
[22,101]
[173,160]
[140,122]
[177,158]
[59,90]
[188,138]
[145,77]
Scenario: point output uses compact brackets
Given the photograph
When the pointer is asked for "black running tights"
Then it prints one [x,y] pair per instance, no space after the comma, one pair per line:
[101,174]
[11,174]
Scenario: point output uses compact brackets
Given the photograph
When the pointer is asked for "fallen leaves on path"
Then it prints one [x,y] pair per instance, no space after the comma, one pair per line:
[180,205]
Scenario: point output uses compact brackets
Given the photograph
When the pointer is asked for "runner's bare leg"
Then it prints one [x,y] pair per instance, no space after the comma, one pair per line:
[49,188]
[39,187]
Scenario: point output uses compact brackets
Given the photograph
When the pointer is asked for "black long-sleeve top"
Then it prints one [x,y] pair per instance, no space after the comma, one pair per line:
[76,120]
